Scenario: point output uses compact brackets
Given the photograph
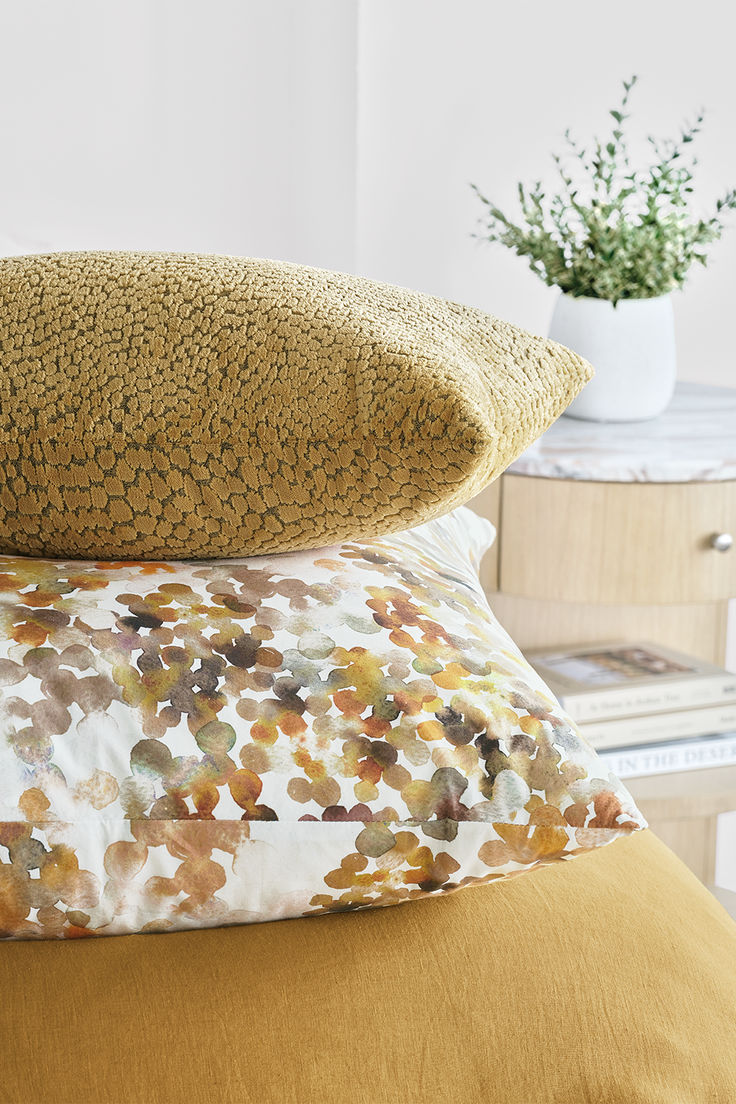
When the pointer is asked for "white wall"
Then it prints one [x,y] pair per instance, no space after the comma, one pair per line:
[471,90]
[170,124]
[344,133]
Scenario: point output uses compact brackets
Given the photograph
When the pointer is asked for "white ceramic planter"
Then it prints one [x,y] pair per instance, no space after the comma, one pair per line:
[632,349]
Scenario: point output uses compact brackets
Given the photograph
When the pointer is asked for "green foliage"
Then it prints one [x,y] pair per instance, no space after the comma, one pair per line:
[613,232]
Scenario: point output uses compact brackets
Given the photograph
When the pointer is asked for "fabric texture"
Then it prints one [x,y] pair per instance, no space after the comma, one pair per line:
[187,406]
[607,980]
[191,744]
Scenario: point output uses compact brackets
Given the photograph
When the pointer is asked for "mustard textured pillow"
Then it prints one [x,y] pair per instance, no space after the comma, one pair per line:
[181,405]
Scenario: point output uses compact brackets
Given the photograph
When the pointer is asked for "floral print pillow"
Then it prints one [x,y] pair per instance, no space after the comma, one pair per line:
[193,744]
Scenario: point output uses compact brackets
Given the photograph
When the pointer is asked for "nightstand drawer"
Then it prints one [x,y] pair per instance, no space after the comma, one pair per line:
[579,541]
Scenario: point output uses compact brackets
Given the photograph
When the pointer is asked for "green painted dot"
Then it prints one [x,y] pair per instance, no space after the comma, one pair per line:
[426,666]
[375,840]
[150,757]
[315,645]
[215,738]
[361,624]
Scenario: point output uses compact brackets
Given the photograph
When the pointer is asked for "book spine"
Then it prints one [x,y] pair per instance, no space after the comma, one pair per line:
[710,751]
[626,701]
[660,726]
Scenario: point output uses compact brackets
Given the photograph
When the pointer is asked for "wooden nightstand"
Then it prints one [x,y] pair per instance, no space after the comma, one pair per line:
[620,530]
[606,529]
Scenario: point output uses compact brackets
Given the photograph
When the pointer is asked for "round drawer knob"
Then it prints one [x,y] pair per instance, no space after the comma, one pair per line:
[721,542]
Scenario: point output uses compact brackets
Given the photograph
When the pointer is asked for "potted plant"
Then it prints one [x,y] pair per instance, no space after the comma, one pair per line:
[616,241]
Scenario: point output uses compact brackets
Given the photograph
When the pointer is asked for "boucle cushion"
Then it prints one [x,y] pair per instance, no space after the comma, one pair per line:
[177,405]
[194,744]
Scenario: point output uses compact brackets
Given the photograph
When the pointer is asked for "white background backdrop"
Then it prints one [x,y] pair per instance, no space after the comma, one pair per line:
[344,133]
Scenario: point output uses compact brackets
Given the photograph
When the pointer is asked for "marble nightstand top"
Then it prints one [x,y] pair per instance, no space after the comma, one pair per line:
[694,440]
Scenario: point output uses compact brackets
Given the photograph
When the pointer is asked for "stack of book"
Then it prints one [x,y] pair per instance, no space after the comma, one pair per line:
[646,709]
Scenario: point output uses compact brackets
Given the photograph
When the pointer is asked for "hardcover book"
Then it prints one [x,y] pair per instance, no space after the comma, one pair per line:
[658,727]
[597,682]
[667,758]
